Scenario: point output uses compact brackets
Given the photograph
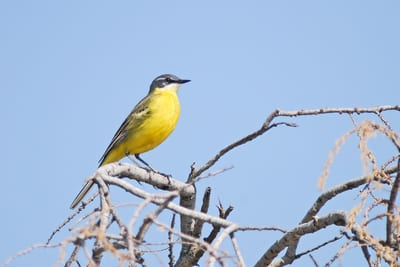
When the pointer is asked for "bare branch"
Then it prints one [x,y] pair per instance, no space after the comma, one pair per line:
[367,256]
[261,228]
[97,252]
[314,261]
[192,254]
[127,248]
[379,114]
[204,245]
[356,110]
[159,199]
[150,218]
[69,219]
[72,258]
[326,196]
[390,208]
[198,226]
[265,127]
[339,253]
[216,228]
[384,251]
[349,185]
[337,218]
[214,173]
[336,238]
[119,169]
[278,113]
[28,250]
[227,232]
[171,243]
[239,256]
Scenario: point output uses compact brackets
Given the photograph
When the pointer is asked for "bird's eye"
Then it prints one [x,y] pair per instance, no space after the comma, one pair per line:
[168,80]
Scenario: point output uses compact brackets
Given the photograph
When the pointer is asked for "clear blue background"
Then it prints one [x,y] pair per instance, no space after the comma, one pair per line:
[71,71]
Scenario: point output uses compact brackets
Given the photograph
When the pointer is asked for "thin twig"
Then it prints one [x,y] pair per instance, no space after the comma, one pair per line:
[338,254]
[367,256]
[72,258]
[28,250]
[390,208]
[261,228]
[366,238]
[337,110]
[314,261]
[171,243]
[265,127]
[69,219]
[210,174]
[198,225]
[151,217]
[384,121]
[223,214]
[199,242]
[225,233]
[236,248]
[336,238]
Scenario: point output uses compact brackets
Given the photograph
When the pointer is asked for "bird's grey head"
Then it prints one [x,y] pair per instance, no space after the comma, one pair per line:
[165,80]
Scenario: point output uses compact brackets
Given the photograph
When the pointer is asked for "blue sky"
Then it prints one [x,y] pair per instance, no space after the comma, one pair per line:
[71,71]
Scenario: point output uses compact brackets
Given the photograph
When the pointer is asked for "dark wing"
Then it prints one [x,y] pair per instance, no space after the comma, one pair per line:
[133,121]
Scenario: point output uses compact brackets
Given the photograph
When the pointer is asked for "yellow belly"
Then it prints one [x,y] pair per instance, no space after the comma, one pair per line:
[164,114]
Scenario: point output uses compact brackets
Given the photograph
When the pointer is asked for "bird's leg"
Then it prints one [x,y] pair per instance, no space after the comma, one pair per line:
[151,168]
[145,163]
[132,159]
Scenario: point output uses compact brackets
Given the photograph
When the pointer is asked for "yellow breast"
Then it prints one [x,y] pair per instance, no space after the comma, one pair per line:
[164,111]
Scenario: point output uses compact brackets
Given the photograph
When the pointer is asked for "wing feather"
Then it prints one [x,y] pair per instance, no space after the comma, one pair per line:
[133,121]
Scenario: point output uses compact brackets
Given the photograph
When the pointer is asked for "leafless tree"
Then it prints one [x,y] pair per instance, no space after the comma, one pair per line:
[103,230]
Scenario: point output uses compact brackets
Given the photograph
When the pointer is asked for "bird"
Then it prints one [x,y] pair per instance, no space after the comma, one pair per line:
[150,122]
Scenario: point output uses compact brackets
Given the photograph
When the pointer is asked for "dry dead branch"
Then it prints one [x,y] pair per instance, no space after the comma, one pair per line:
[103,230]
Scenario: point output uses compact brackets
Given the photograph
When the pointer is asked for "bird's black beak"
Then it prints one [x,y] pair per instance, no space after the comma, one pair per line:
[183,81]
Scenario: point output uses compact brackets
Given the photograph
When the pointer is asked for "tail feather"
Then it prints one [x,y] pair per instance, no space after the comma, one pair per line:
[81,194]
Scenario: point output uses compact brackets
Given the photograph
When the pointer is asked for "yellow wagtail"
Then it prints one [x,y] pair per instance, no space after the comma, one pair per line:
[148,125]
